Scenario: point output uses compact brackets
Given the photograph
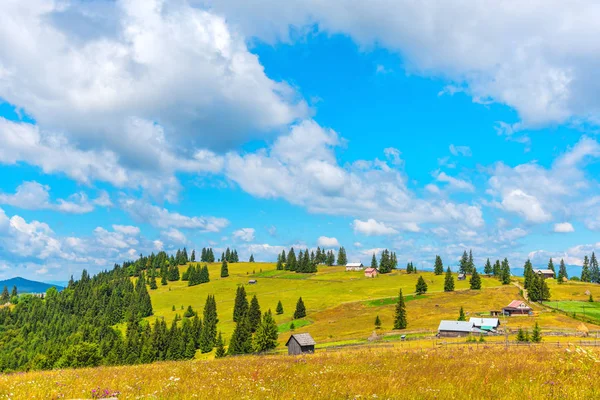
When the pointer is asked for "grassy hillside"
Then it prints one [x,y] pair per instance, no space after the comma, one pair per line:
[475,372]
[342,306]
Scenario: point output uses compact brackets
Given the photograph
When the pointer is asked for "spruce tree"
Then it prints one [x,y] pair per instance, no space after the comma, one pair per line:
[209,325]
[461,315]
[241,339]
[551,267]
[251,258]
[254,314]
[400,314]
[240,307]
[585,270]
[488,270]
[193,256]
[220,346]
[377,322]
[279,309]
[342,259]
[291,260]
[292,326]
[594,270]
[471,264]
[439,266]
[279,263]
[475,281]
[505,272]
[497,269]
[536,335]
[14,292]
[521,336]
[189,313]
[528,274]
[300,309]
[266,334]
[562,271]
[449,281]
[421,286]
[374,262]
[224,269]
[153,285]
[5,297]
[464,263]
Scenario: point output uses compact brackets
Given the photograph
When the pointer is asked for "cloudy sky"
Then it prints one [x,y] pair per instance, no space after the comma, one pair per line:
[428,127]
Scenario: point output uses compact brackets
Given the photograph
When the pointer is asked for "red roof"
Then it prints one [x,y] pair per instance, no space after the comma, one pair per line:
[370,270]
[517,304]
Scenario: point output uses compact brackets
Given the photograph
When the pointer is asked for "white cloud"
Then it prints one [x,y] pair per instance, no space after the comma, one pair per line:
[372,228]
[328,242]
[127,229]
[563,227]
[526,205]
[464,151]
[245,234]
[455,183]
[35,196]
[163,218]
[174,236]
[507,52]
[357,244]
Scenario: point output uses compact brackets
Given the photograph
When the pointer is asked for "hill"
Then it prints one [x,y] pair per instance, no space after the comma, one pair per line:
[26,286]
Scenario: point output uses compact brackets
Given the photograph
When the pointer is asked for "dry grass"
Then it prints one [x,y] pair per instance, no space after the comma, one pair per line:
[367,372]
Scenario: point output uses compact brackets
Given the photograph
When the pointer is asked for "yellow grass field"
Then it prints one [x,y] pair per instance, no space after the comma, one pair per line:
[466,372]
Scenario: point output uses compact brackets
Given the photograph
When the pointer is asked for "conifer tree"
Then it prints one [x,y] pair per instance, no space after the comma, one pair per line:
[488,270]
[438,269]
[400,313]
[471,263]
[14,292]
[475,281]
[594,270]
[342,259]
[461,315]
[254,314]
[283,257]
[189,313]
[291,260]
[209,325]
[224,269]
[251,258]
[279,263]
[163,280]
[374,262]
[220,346]
[536,334]
[590,299]
[585,270]
[497,269]
[377,322]
[241,339]
[449,281]
[300,309]
[464,263]
[505,272]
[5,297]
[240,307]
[562,271]
[279,309]
[266,334]
[292,326]
[193,256]
[528,274]
[421,286]
[153,285]
[521,336]
[551,267]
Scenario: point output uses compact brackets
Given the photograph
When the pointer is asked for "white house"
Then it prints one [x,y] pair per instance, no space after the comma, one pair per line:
[356,266]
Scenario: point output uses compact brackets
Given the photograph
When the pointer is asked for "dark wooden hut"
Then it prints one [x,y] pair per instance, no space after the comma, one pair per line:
[301,343]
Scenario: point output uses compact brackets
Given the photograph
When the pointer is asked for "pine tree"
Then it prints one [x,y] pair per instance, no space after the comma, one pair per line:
[497,269]
[5,297]
[505,272]
[590,299]
[254,314]
[551,267]
[528,274]
[536,335]
[266,334]
[449,281]
[521,337]
[464,263]
[488,270]
[279,264]
[439,266]
[153,285]
[342,259]
[300,309]
[241,339]
[220,346]
[400,314]
[471,264]
[224,269]
[240,307]
[594,269]
[377,322]
[585,270]
[461,315]
[562,271]
[189,313]
[251,258]
[14,292]
[291,260]
[475,281]
[209,325]
[421,286]
[292,326]
[279,309]
[374,262]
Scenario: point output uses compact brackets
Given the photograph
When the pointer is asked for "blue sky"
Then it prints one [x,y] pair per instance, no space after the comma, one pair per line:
[426,128]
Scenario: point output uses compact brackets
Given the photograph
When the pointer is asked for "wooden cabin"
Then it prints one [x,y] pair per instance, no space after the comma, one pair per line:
[371,272]
[301,343]
[355,266]
[516,307]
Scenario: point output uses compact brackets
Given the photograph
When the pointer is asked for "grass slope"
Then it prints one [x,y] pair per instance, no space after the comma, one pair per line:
[474,372]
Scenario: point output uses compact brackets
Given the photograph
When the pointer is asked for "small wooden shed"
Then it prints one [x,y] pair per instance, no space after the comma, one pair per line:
[252,282]
[371,272]
[300,343]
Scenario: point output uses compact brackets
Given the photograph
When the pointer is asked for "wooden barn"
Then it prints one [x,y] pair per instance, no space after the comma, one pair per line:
[485,324]
[355,266]
[252,282]
[371,272]
[457,329]
[516,307]
[545,273]
[462,277]
[301,343]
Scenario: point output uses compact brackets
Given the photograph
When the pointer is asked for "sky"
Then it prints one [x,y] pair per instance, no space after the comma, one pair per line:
[135,126]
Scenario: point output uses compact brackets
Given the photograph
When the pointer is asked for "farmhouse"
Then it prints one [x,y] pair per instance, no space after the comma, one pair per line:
[462,277]
[356,266]
[546,273]
[300,343]
[516,307]
[485,324]
[371,272]
[457,329]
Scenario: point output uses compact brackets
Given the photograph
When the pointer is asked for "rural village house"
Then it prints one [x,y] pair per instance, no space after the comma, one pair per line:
[458,328]
[371,272]
[516,307]
[356,266]
[546,273]
[300,343]
[486,324]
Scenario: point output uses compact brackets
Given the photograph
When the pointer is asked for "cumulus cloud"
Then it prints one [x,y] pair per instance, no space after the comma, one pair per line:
[460,150]
[35,196]
[245,234]
[455,183]
[327,242]
[372,228]
[505,52]
[563,227]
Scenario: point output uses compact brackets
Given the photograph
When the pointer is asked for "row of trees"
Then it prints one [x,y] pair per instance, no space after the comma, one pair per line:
[5,297]
[305,263]
[387,262]
[196,275]
[535,284]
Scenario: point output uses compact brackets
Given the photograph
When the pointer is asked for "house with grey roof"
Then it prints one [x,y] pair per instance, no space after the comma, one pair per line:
[458,329]
[300,343]
[486,324]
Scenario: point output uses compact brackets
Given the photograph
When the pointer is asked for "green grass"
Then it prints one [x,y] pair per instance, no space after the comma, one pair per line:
[581,308]
[298,323]
[392,300]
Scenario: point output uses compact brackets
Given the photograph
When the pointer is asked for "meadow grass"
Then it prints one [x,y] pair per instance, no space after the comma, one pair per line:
[460,372]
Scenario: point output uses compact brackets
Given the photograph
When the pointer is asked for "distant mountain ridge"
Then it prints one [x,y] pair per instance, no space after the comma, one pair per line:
[26,286]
